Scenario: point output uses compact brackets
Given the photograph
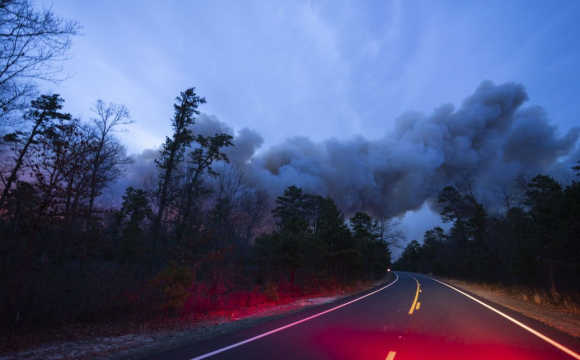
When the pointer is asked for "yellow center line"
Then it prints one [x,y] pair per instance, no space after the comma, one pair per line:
[391,355]
[416,297]
[418,306]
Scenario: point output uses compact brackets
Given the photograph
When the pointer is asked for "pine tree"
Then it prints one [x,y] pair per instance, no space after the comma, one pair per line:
[174,148]
[44,111]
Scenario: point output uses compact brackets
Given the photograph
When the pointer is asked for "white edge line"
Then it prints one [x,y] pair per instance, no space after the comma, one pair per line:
[290,325]
[538,334]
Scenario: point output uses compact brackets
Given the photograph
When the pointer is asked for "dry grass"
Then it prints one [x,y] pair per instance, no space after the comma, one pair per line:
[566,303]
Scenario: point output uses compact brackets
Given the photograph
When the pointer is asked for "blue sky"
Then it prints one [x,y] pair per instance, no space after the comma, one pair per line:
[322,69]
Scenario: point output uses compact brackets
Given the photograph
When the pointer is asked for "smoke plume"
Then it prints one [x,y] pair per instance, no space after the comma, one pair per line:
[490,137]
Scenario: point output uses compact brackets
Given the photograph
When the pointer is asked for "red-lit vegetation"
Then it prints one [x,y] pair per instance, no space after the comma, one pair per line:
[218,318]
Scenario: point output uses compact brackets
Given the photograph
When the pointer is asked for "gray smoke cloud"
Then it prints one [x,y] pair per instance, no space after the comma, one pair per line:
[490,136]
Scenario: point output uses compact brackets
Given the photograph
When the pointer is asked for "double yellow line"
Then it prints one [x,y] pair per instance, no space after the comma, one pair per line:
[415,305]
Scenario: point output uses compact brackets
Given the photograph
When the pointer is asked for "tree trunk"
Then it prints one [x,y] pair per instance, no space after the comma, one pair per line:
[19,162]
[553,289]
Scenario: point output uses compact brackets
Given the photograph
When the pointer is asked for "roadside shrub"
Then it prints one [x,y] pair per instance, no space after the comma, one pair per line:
[175,282]
[271,291]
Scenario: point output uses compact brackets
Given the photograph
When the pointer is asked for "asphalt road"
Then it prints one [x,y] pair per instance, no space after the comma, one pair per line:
[413,317]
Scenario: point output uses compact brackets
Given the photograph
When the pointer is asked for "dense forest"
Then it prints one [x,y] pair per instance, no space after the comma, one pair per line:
[534,240]
[197,236]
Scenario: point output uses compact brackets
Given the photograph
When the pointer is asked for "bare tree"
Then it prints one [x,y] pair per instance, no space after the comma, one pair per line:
[33,46]
[389,231]
[76,170]
[506,194]
[467,185]
[108,155]
[248,203]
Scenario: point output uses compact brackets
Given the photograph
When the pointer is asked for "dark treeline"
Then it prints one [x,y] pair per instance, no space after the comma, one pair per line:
[314,244]
[533,241]
[196,237]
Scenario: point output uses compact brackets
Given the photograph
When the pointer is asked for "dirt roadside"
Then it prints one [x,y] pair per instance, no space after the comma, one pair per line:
[557,317]
[142,343]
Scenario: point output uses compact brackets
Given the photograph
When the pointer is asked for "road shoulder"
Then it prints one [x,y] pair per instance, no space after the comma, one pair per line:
[565,321]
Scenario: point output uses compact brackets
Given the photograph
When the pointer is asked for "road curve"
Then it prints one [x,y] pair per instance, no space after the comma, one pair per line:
[413,317]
